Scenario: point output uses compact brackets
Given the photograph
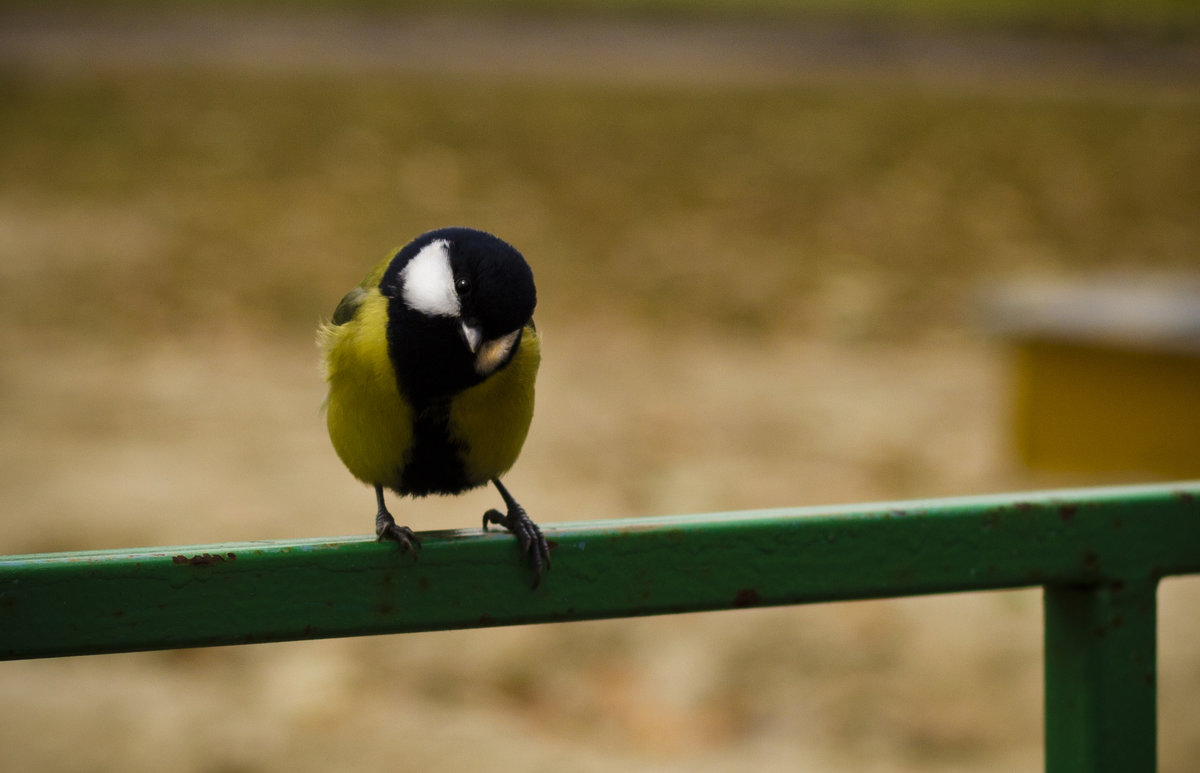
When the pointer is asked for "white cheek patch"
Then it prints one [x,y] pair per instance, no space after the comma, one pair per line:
[428,282]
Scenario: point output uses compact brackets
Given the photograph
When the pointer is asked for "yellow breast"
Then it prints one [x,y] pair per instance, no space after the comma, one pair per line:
[369,423]
[491,419]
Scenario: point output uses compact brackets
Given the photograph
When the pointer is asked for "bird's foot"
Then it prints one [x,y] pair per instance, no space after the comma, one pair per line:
[386,528]
[529,536]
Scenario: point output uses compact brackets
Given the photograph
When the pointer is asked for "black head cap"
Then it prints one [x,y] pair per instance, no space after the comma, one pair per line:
[492,284]
[493,281]
[440,283]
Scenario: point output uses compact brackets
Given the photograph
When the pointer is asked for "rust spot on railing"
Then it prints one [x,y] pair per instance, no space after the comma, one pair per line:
[204,559]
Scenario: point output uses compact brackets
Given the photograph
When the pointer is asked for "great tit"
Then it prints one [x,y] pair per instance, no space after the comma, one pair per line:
[431,363]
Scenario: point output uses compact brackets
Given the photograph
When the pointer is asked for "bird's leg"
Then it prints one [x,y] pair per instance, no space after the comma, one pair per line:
[386,528]
[528,535]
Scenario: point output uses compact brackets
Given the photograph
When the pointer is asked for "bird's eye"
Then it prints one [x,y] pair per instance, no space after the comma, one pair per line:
[462,286]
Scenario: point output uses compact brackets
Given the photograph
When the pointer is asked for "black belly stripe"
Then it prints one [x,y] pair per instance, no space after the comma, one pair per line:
[435,466]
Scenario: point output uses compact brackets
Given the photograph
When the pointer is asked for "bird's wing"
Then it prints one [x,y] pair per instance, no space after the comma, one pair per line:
[348,306]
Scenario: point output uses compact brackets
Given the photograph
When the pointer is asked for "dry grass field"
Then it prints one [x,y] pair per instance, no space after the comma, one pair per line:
[752,295]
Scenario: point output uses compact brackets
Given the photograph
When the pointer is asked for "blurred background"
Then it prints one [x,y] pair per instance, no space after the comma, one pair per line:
[768,245]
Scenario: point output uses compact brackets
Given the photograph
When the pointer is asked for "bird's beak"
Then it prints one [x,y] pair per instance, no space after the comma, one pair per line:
[472,336]
[494,353]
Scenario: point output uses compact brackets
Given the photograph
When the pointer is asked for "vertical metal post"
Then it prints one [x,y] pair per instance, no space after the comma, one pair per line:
[1100,679]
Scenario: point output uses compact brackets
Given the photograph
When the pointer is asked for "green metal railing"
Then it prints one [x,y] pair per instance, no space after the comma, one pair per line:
[1098,553]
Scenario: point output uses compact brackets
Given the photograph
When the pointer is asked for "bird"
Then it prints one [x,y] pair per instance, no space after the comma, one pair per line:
[430,364]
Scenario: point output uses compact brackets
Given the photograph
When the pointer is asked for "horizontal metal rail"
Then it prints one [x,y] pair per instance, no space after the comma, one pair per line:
[1099,553]
[153,598]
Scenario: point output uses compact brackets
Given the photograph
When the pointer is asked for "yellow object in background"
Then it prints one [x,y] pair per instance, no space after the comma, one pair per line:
[1107,374]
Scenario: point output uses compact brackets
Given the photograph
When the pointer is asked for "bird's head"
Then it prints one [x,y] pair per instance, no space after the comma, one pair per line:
[458,300]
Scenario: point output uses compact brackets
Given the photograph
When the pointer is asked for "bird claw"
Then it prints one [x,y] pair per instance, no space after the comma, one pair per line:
[386,529]
[529,537]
